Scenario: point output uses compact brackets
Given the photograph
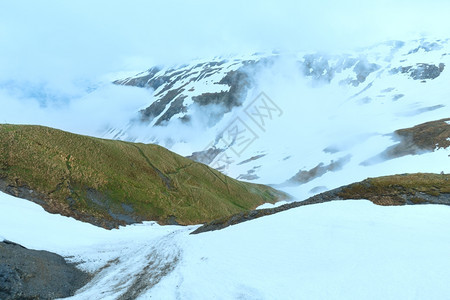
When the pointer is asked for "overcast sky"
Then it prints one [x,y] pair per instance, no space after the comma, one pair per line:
[53,52]
[59,40]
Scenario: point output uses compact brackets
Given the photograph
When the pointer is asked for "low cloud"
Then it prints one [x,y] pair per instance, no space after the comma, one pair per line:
[53,52]
[58,41]
[91,113]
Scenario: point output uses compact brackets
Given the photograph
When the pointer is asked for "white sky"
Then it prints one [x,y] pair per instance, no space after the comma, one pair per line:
[63,40]
[53,51]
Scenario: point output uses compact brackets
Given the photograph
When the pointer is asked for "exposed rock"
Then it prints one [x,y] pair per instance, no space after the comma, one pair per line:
[157,107]
[427,47]
[176,106]
[406,189]
[254,214]
[249,176]
[368,86]
[428,136]
[183,92]
[238,81]
[318,67]
[421,71]
[206,156]
[362,70]
[416,140]
[401,189]
[251,159]
[174,97]
[147,80]
[304,176]
[397,97]
[32,274]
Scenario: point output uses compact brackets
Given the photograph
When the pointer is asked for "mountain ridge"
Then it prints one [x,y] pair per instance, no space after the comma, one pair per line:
[110,183]
[394,190]
[326,120]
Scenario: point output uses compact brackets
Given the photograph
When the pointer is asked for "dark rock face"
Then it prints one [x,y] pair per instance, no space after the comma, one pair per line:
[176,107]
[238,81]
[225,83]
[172,85]
[97,199]
[32,274]
[426,71]
[157,107]
[421,71]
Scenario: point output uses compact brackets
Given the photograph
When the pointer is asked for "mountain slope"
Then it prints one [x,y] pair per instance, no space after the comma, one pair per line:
[307,122]
[109,183]
[404,189]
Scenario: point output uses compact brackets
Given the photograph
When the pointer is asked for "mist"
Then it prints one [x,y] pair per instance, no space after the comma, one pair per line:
[53,53]
[61,40]
[89,113]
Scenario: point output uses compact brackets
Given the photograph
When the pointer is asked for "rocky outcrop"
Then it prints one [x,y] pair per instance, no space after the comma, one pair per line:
[225,83]
[202,92]
[421,71]
[405,189]
[206,156]
[254,214]
[304,176]
[32,274]
[426,137]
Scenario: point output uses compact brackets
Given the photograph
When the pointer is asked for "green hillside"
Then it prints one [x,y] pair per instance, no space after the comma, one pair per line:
[401,189]
[109,183]
[404,189]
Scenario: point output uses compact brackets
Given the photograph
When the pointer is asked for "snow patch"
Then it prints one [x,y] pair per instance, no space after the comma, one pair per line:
[335,250]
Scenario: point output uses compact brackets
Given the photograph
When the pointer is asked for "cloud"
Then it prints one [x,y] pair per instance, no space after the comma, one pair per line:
[91,113]
[60,40]
[56,50]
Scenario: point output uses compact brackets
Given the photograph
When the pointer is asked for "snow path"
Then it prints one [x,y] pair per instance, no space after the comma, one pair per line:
[335,250]
[126,262]
[135,271]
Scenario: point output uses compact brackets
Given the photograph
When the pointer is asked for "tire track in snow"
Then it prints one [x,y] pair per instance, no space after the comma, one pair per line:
[134,270]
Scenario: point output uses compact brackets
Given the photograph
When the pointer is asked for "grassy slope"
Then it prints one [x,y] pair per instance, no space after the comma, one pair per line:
[109,182]
[428,136]
[399,189]
[405,189]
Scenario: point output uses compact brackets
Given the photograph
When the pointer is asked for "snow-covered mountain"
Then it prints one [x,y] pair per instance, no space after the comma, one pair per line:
[304,122]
